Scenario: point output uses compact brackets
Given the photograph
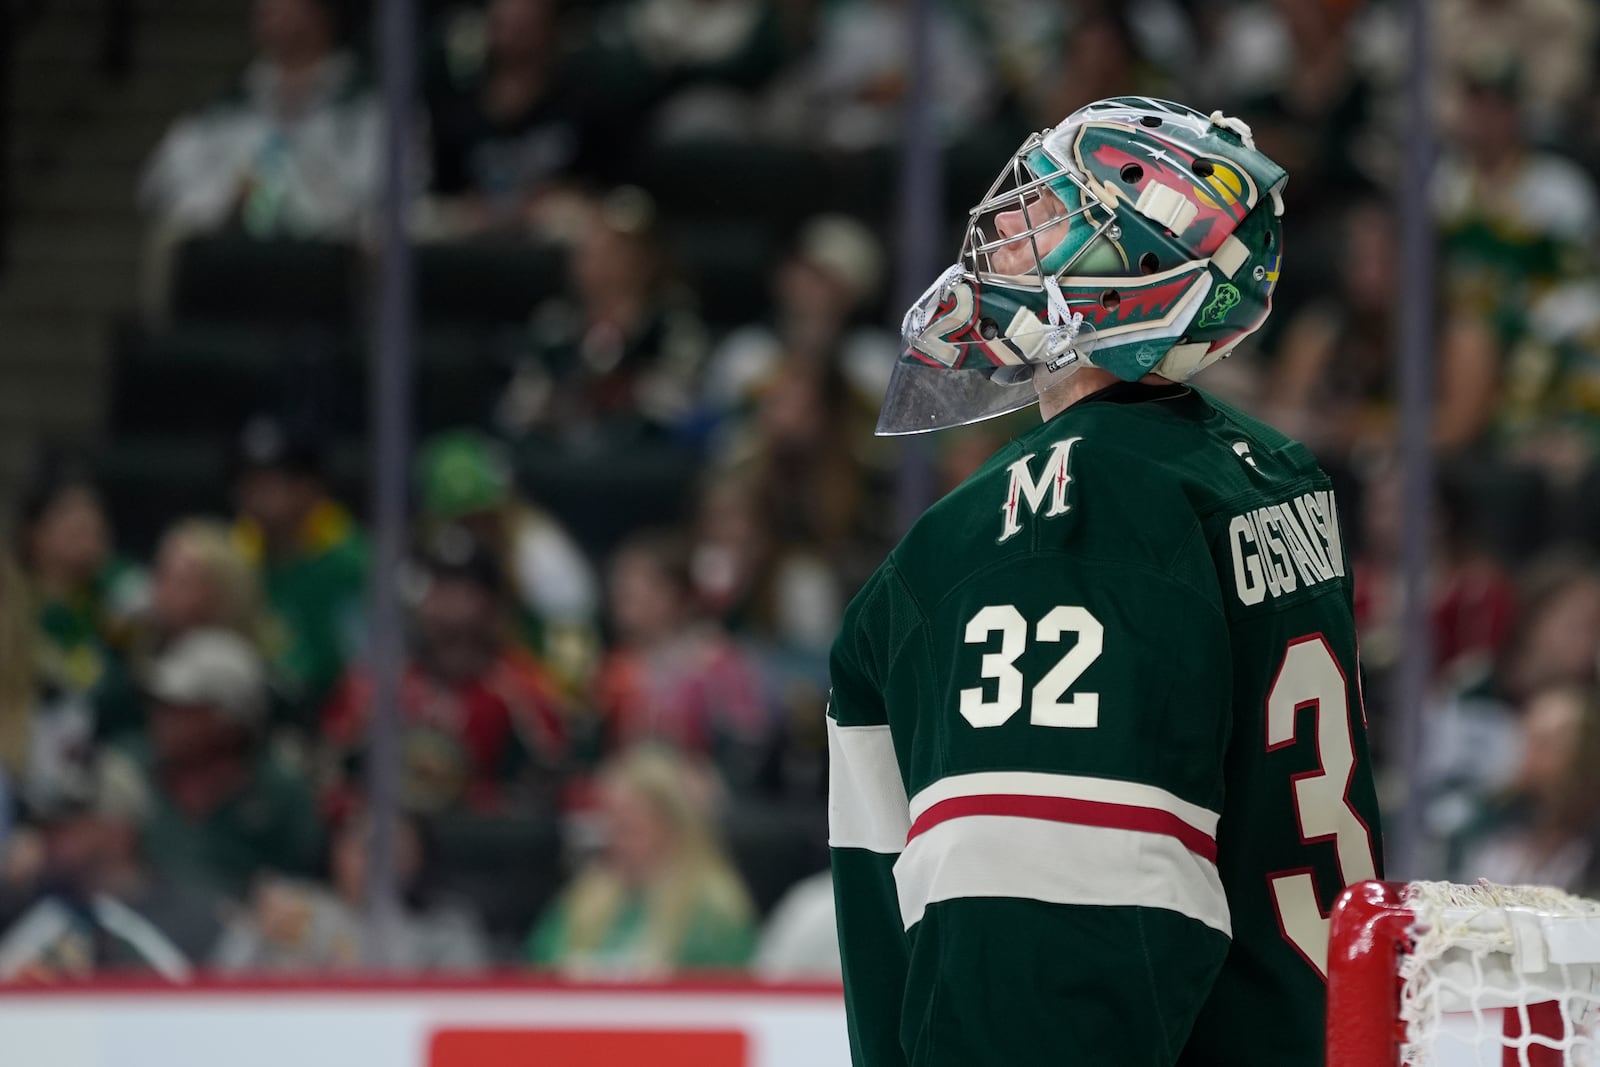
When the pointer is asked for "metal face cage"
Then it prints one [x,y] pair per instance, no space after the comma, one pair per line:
[1024,258]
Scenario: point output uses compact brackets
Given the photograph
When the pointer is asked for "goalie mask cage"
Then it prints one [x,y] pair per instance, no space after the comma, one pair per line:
[1432,974]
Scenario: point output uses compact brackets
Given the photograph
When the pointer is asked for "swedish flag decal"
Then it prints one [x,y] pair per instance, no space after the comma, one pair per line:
[1271,280]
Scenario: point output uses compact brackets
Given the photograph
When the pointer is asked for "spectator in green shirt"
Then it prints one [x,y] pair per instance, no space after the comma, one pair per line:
[312,555]
[662,896]
[224,808]
[86,598]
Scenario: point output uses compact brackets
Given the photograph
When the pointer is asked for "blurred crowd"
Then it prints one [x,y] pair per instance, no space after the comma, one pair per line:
[612,755]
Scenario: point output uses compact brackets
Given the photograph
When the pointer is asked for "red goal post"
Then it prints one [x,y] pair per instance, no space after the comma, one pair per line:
[1433,974]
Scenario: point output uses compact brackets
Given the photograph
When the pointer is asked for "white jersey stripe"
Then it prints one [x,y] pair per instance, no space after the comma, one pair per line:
[1058,863]
[866,799]
[1068,787]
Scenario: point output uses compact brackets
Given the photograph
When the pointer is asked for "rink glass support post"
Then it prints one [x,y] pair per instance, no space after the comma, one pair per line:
[390,382]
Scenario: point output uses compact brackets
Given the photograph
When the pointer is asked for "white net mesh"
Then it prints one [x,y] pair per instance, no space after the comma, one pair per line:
[1501,976]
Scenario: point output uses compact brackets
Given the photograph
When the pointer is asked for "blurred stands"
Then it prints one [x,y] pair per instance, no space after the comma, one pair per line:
[151,345]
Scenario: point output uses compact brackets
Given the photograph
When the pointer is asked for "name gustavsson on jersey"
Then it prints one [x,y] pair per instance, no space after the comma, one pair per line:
[1280,548]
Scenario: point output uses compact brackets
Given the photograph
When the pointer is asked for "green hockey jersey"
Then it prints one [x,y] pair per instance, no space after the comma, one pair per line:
[1098,765]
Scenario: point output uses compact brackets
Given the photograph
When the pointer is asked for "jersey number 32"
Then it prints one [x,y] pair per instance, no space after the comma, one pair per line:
[1309,676]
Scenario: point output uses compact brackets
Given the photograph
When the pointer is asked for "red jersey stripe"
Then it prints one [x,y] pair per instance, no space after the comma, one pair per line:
[1068,810]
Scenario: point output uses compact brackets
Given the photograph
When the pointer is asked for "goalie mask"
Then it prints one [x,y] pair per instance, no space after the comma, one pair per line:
[1139,236]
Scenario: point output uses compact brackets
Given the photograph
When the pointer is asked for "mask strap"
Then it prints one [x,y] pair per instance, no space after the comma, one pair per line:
[1064,322]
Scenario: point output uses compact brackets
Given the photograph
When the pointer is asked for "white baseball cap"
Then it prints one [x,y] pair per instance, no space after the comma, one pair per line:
[845,249]
[213,668]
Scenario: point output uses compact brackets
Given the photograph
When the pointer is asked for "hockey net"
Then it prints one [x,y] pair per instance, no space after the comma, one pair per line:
[1434,974]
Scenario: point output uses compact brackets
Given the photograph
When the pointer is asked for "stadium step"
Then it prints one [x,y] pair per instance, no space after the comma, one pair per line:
[104,238]
[68,414]
[165,45]
[77,186]
[51,381]
[121,145]
[43,347]
[169,9]
[18,451]
[68,288]
[79,142]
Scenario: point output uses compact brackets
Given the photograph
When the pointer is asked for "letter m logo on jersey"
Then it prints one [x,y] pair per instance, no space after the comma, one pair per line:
[1025,490]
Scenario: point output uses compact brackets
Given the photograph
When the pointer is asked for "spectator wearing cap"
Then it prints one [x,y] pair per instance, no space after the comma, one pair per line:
[312,559]
[483,720]
[95,905]
[224,808]
[465,479]
[619,356]
[294,151]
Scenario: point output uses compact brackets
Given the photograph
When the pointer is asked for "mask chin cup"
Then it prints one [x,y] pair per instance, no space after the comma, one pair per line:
[1012,375]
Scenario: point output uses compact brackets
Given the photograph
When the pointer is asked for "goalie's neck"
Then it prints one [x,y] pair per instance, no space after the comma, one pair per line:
[1057,397]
